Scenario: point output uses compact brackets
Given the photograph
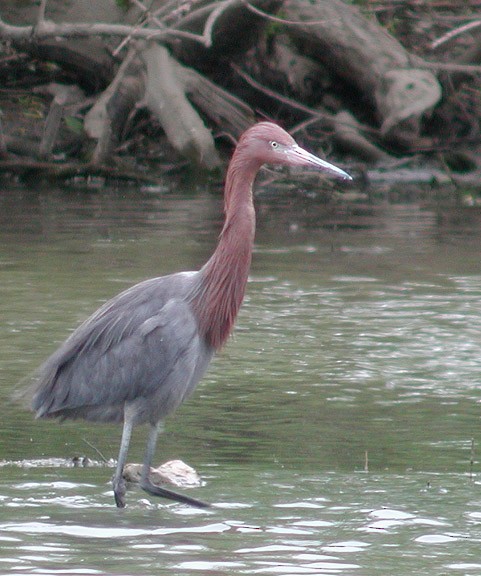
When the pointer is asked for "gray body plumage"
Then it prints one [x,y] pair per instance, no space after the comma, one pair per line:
[142,348]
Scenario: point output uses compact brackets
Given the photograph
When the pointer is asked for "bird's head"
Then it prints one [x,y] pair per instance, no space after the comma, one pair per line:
[268,143]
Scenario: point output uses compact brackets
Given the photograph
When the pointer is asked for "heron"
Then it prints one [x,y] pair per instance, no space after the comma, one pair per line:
[141,354]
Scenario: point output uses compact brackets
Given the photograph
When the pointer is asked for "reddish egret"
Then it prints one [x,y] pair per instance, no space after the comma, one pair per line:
[140,355]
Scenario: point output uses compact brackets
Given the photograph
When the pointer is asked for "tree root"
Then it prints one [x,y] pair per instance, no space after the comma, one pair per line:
[66,170]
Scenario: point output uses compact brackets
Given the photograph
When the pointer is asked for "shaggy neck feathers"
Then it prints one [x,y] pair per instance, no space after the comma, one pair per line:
[224,276]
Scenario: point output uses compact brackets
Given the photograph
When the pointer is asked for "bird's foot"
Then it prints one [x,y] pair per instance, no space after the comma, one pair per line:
[154,490]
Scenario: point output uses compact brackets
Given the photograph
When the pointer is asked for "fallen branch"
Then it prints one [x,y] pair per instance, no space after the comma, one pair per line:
[166,99]
[236,29]
[330,120]
[104,121]
[290,102]
[453,34]
[48,29]
[65,95]
[44,29]
[229,113]
[369,59]
[348,135]
[72,169]
[451,67]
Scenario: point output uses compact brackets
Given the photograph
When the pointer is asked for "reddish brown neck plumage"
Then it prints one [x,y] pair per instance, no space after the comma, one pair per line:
[224,276]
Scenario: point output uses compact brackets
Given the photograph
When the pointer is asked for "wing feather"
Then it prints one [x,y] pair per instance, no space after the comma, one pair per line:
[142,346]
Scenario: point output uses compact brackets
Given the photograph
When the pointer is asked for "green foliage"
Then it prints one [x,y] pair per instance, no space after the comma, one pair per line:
[32,106]
[274,28]
[123,4]
[75,125]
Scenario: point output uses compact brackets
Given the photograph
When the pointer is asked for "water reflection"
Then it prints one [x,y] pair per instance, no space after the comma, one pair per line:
[338,432]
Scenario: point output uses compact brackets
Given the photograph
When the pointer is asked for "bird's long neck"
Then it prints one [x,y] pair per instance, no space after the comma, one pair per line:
[224,276]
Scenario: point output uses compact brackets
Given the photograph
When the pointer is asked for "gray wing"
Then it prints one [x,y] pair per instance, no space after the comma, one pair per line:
[137,347]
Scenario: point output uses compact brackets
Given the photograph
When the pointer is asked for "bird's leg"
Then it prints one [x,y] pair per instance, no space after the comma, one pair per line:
[155,429]
[118,482]
[146,483]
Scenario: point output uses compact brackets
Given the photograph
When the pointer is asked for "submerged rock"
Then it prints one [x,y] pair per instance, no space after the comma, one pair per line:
[174,472]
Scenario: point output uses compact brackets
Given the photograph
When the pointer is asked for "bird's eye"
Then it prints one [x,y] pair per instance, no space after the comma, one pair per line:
[274,144]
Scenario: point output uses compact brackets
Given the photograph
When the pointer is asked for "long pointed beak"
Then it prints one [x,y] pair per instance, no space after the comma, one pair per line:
[300,157]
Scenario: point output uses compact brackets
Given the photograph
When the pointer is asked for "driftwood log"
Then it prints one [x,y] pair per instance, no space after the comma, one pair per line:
[166,99]
[358,51]
[207,68]
[150,76]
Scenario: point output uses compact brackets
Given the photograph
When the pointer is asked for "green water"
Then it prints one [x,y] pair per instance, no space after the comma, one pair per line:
[337,433]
